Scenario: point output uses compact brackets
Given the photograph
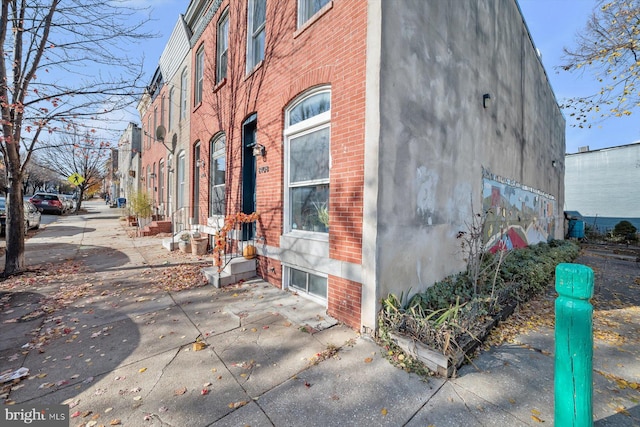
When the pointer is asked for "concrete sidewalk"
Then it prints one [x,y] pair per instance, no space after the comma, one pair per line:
[121,347]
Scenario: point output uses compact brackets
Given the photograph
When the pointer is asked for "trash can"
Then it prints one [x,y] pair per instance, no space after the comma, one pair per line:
[122,202]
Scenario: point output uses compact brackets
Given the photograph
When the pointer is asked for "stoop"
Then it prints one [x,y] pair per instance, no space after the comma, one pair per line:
[237,269]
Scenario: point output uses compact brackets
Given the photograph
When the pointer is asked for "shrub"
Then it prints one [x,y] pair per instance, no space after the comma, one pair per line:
[450,309]
[625,230]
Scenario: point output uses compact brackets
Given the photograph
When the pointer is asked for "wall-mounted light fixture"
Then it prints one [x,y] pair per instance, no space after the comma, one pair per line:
[554,163]
[152,175]
[200,163]
[486,100]
[259,150]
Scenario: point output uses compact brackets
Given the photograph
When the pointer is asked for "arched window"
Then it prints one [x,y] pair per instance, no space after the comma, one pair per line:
[307,162]
[217,163]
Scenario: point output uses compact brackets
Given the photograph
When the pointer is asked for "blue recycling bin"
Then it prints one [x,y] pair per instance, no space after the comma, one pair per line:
[122,202]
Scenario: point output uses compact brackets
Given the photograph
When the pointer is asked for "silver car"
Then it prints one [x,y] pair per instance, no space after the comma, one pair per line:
[32,216]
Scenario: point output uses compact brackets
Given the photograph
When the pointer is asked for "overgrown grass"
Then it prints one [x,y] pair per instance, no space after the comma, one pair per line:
[450,313]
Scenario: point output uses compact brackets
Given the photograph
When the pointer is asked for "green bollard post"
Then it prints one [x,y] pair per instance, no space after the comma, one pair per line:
[573,381]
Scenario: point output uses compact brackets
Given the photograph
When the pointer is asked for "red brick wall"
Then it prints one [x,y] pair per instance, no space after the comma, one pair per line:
[345,299]
[330,51]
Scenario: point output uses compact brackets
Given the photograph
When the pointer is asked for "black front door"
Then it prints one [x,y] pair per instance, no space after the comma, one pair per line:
[248,173]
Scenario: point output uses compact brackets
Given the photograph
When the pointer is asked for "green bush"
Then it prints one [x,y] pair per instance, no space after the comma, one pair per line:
[625,230]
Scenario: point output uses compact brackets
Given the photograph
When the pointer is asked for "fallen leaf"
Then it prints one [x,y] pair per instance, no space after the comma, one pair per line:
[115,422]
[180,391]
[197,346]
[384,411]
[75,414]
[141,370]
[368,360]
[239,404]
[204,391]
[137,398]
[537,419]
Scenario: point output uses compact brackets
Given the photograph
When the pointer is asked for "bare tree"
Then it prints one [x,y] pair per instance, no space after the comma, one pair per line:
[609,46]
[78,156]
[63,65]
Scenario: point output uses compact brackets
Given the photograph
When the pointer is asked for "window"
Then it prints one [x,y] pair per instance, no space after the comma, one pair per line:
[307,143]
[155,123]
[308,8]
[170,109]
[148,179]
[257,15]
[181,173]
[218,179]
[308,283]
[223,47]
[162,102]
[199,75]
[161,182]
[183,95]
[149,132]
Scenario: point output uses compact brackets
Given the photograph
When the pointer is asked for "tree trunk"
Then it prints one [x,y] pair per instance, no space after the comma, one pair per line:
[14,253]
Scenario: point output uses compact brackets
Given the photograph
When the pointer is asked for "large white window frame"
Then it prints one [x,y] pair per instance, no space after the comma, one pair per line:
[304,218]
[256,34]
[223,47]
[308,8]
[199,76]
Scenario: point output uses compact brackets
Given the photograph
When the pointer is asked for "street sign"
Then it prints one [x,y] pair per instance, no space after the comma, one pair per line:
[76,179]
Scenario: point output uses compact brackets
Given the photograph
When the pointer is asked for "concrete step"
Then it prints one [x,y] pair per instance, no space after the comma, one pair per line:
[225,278]
[240,265]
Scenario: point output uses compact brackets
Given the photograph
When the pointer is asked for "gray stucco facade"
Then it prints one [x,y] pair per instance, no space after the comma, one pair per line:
[430,140]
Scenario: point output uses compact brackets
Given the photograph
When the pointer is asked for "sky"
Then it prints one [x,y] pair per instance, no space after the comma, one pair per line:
[553,25]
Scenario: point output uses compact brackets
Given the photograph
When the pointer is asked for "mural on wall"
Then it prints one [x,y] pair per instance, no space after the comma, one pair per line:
[517,215]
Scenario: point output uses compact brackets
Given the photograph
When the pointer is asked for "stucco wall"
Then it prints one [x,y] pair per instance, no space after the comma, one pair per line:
[437,59]
[604,183]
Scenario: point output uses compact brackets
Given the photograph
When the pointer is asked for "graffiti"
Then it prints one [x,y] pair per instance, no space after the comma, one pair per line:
[517,215]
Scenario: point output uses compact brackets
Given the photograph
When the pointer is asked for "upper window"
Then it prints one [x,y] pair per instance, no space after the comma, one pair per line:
[308,8]
[183,94]
[307,151]
[199,75]
[170,109]
[257,15]
[218,178]
[223,47]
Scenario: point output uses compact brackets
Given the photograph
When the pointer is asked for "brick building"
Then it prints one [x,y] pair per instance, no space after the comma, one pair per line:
[366,134]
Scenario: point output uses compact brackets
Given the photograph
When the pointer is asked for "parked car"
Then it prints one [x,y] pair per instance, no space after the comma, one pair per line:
[49,202]
[32,216]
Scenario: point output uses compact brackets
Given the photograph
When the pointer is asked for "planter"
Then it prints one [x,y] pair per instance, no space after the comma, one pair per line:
[199,246]
[184,246]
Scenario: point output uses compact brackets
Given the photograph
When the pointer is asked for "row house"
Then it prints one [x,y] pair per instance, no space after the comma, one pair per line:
[366,134]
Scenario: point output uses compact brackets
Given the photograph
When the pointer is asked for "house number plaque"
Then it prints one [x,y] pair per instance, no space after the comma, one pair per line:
[263,169]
